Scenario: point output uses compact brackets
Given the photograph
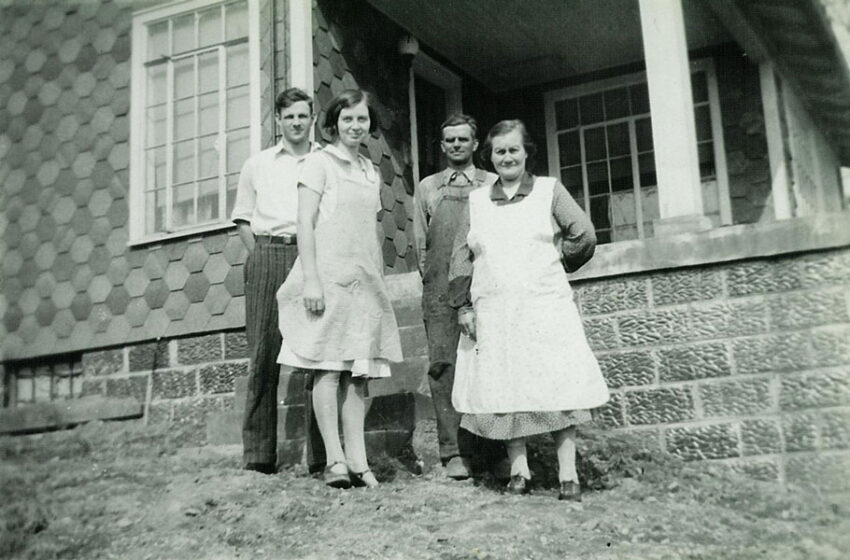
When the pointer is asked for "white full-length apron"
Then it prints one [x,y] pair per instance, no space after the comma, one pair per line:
[531,352]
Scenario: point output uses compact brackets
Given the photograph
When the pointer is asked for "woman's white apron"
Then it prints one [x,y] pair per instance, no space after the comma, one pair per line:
[531,352]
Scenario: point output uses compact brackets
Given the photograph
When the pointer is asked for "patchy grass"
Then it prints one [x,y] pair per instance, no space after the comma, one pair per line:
[121,490]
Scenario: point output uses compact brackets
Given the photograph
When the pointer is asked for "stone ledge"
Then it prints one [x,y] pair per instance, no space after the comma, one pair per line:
[48,416]
[725,244]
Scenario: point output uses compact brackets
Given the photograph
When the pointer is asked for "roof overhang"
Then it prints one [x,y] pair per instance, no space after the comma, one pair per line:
[505,44]
[797,37]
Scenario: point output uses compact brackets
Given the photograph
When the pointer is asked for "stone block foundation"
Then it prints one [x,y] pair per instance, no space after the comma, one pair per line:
[745,362]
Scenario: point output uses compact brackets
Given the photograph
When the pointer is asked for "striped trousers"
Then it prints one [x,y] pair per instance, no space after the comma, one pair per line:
[265,270]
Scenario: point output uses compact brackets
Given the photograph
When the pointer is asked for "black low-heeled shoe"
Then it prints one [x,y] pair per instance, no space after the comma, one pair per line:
[335,479]
[570,491]
[518,484]
[357,479]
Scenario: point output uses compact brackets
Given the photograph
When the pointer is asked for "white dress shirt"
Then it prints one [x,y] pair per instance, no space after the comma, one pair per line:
[267,194]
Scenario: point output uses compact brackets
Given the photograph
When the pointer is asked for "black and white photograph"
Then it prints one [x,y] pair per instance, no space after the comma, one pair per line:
[425,279]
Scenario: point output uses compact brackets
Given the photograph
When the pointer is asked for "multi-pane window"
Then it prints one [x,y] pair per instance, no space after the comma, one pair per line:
[604,154]
[197,115]
[45,382]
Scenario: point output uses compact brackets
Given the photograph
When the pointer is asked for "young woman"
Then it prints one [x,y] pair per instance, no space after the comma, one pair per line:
[335,314]
[524,366]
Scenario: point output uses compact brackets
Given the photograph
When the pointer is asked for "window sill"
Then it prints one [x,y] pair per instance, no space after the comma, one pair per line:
[724,244]
[191,232]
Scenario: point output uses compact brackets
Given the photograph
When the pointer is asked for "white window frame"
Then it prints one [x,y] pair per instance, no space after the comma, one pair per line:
[138,83]
[703,65]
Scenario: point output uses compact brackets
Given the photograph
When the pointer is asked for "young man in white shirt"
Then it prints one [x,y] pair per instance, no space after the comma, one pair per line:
[266,211]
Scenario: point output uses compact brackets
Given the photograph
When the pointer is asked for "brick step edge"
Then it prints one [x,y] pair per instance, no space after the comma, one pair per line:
[49,416]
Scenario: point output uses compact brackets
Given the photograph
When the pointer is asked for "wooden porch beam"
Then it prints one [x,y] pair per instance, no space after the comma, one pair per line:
[668,76]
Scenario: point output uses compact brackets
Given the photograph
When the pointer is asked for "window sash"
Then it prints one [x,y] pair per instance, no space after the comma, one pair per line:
[713,138]
[45,381]
[203,193]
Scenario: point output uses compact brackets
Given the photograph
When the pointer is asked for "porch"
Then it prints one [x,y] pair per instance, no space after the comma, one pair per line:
[661,117]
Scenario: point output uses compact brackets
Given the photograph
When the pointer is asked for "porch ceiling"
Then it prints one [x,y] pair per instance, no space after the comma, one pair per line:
[508,44]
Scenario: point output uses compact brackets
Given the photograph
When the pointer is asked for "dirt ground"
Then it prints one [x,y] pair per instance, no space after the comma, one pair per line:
[123,490]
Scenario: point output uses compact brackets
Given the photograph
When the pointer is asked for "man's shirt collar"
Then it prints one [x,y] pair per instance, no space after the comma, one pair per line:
[284,149]
[467,172]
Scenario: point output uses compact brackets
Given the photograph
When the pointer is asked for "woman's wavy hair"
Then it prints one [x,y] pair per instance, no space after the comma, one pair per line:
[500,129]
[345,99]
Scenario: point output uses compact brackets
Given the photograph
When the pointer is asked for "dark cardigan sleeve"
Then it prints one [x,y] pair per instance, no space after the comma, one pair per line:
[579,237]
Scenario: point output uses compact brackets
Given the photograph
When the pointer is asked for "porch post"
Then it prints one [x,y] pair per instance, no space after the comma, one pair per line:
[301,44]
[775,149]
[673,128]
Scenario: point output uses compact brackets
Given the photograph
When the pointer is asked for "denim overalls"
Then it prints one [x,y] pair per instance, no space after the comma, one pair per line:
[440,318]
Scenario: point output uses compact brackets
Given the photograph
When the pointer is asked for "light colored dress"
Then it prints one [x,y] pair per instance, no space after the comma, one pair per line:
[357,331]
[531,353]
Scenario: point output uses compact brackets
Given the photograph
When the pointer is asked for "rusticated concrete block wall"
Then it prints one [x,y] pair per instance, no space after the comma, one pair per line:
[745,362]
[198,385]
[179,380]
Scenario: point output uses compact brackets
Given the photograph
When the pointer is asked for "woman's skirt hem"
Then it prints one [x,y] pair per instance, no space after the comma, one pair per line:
[513,425]
[372,368]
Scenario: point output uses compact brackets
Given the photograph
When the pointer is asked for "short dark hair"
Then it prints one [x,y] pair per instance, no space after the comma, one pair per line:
[504,127]
[291,96]
[344,100]
[457,119]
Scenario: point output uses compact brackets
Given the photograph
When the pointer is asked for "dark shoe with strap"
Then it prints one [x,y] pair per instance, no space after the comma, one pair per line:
[570,491]
[263,468]
[518,484]
[365,479]
[336,479]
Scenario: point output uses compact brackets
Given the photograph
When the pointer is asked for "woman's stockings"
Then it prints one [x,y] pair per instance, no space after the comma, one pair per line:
[326,409]
[518,457]
[353,420]
[328,387]
[565,443]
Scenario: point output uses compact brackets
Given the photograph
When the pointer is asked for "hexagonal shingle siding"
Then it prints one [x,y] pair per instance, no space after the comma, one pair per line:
[70,280]
[347,54]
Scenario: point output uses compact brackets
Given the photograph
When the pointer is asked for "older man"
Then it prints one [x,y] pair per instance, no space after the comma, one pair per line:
[439,203]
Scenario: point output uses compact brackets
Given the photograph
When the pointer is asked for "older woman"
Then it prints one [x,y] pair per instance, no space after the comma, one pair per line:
[335,313]
[524,365]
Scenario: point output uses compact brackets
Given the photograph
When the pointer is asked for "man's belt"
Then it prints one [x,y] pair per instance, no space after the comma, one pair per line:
[285,239]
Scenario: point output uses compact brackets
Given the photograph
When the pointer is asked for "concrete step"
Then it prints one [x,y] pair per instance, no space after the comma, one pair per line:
[62,414]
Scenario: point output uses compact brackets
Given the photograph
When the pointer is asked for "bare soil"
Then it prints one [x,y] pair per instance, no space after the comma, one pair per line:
[123,490]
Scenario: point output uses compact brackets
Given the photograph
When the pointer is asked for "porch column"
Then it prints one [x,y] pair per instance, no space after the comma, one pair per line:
[301,44]
[673,129]
[779,183]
